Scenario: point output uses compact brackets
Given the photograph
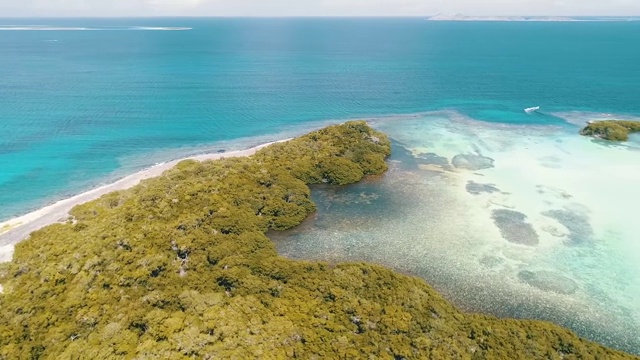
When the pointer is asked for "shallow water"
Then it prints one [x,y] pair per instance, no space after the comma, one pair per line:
[80,108]
[534,222]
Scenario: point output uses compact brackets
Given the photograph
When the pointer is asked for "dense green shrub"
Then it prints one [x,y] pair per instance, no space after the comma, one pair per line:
[614,130]
[179,267]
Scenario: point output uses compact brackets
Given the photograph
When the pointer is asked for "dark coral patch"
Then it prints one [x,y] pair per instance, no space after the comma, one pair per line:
[549,281]
[433,159]
[580,230]
[472,162]
[475,188]
[514,228]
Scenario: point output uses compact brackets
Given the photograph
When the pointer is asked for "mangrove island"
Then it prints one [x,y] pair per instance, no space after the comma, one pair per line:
[179,267]
[613,130]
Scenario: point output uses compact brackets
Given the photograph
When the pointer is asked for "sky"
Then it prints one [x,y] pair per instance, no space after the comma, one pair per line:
[109,8]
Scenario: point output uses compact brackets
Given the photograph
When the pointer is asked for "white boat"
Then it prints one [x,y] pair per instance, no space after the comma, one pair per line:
[532,109]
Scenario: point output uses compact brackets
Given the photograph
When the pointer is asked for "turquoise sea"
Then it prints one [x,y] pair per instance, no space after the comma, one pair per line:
[538,224]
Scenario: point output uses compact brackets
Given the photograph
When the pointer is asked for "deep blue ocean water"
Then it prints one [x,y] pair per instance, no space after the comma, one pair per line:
[75,105]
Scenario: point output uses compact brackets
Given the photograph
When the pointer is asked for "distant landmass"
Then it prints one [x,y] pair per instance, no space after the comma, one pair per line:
[460,17]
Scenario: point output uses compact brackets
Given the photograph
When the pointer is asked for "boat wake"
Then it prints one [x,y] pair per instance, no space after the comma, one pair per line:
[531,110]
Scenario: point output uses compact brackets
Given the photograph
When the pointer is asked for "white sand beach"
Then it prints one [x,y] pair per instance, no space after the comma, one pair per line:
[17,229]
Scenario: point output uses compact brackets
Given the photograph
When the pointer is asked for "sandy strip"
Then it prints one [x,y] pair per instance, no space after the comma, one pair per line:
[17,229]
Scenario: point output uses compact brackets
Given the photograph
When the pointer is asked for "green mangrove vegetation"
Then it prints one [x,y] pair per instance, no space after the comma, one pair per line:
[179,267]
[613,130]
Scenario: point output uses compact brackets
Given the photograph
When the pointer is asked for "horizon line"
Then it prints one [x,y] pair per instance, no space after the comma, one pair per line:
[298,16]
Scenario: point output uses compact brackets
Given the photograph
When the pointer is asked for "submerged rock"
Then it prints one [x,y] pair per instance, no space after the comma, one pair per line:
[514,228]
[549,281]
[475,188]
[472,162]
[580,230]
[433,159]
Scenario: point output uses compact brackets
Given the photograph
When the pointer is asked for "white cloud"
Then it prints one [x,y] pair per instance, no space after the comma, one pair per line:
[173,4]
[314,7]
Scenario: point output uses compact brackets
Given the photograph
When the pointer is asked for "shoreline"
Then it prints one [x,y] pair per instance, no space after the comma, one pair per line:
[17,229]
[524,222]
